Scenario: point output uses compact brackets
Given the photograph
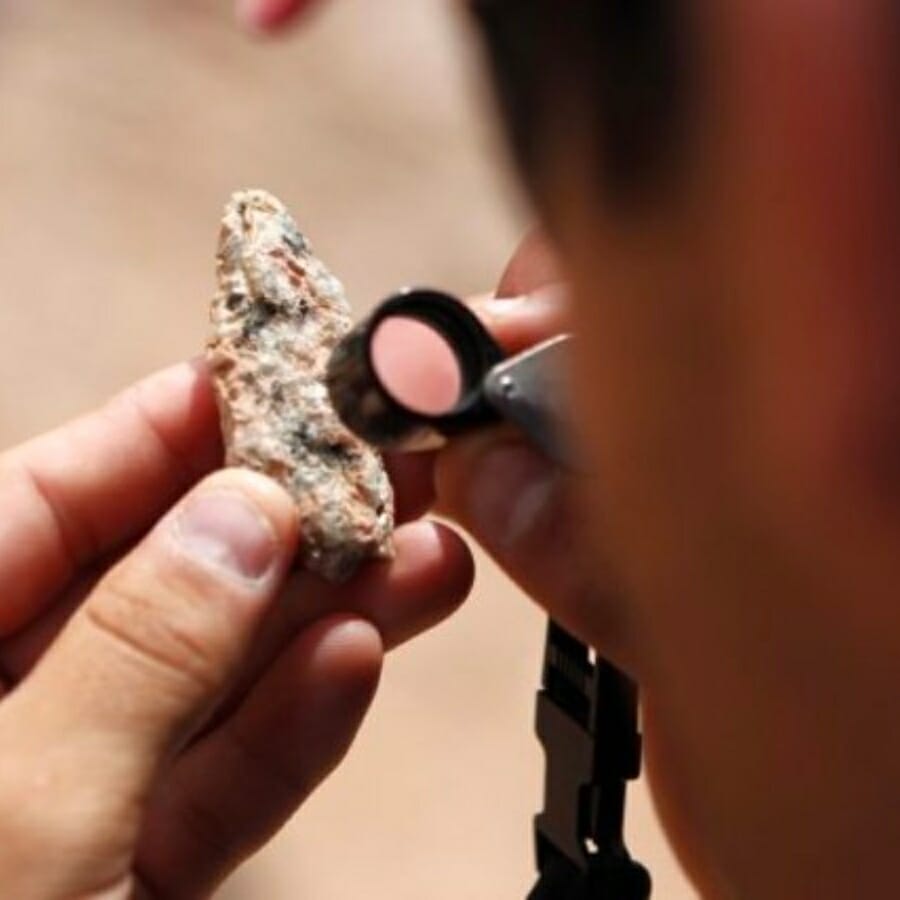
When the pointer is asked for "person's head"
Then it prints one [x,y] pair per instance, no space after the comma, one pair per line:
[721,183]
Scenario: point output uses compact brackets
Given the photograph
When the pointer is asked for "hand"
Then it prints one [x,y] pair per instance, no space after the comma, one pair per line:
[169,698]
[516,503]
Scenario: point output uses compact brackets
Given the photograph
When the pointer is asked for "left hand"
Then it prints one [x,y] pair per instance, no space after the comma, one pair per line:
[159,722]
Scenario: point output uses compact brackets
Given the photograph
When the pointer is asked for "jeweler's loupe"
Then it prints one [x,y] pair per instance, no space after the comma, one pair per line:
[422,368]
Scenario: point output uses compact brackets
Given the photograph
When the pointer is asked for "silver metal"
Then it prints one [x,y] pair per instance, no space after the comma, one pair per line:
[531,391]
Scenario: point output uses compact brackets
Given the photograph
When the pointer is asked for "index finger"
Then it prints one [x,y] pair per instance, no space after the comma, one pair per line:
[85,488]
[92,486]
[530,303]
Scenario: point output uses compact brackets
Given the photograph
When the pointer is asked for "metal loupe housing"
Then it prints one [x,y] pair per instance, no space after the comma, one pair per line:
[366,406]
[528,389]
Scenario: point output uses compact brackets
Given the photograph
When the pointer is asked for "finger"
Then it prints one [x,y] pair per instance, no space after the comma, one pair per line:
[522,509]
[533,265]
[430,576]
[229,793]
[20,653]
[413,478]
[530,302]
[429,579]
[72,497]
[158,640]
[76,492]
[520,322]
[412,475]
[270,15]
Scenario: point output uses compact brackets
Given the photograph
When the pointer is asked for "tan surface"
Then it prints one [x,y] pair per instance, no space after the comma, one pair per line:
[125,125]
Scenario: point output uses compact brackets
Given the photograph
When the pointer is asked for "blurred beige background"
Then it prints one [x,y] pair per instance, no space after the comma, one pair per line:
[124,127]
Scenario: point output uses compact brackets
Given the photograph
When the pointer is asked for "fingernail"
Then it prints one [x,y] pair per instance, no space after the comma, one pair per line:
[512,492]
[226,531]
[537,303]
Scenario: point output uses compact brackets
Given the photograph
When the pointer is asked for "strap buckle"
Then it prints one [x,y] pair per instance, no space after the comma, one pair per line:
[587,724]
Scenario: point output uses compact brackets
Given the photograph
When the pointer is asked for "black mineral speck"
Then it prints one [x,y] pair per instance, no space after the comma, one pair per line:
[295,240]
[338,450]
[300,438]
[261,313]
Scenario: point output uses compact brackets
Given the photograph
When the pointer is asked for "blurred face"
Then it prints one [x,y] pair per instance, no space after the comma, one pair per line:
[738,306]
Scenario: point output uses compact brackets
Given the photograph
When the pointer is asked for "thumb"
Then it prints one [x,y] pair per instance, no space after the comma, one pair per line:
[523,510]
[157,641]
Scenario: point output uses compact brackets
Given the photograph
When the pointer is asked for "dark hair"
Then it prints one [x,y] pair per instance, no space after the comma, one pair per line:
[609,70]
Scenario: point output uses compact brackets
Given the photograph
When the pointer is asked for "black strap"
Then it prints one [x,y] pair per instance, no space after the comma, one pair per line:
[587,723]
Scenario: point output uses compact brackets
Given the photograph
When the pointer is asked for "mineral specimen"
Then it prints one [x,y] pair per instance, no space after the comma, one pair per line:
[276,318]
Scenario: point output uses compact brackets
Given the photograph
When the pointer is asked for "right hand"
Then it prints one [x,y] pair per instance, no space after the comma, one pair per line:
[521,507]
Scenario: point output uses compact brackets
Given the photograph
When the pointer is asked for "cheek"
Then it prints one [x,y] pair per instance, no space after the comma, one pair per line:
[811,214]
[653,378]
[737,372]
[738,380]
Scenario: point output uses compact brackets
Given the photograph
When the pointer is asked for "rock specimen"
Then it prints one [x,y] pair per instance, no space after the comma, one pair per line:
[276,318]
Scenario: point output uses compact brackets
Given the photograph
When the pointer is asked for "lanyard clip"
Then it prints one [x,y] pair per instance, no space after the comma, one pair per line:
[587,724]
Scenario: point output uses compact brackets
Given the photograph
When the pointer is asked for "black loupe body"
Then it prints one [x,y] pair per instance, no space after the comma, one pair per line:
[412,374]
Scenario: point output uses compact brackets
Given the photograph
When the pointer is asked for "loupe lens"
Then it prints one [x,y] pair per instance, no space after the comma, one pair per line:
[416,365]
[413,372]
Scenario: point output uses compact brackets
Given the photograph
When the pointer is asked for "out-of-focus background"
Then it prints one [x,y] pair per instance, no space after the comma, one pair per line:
[123,128]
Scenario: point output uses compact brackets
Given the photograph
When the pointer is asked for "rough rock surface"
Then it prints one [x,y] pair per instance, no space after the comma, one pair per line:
[276,318]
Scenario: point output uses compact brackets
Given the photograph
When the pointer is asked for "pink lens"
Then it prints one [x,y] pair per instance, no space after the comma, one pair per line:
[416,365]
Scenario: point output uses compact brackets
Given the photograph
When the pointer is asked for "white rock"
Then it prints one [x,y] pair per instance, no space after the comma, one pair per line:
[276,318]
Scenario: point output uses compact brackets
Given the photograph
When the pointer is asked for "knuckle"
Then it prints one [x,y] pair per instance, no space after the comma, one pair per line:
[206,828]
[159,627]
[271,776]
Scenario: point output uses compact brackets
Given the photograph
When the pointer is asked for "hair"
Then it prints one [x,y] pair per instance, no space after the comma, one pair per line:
[609,71]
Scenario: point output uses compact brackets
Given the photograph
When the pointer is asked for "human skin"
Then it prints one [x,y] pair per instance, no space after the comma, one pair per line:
[171,690]
[736,386]
[742,372]
[737,381]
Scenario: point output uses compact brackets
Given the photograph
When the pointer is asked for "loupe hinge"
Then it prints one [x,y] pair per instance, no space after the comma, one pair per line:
[531,391]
